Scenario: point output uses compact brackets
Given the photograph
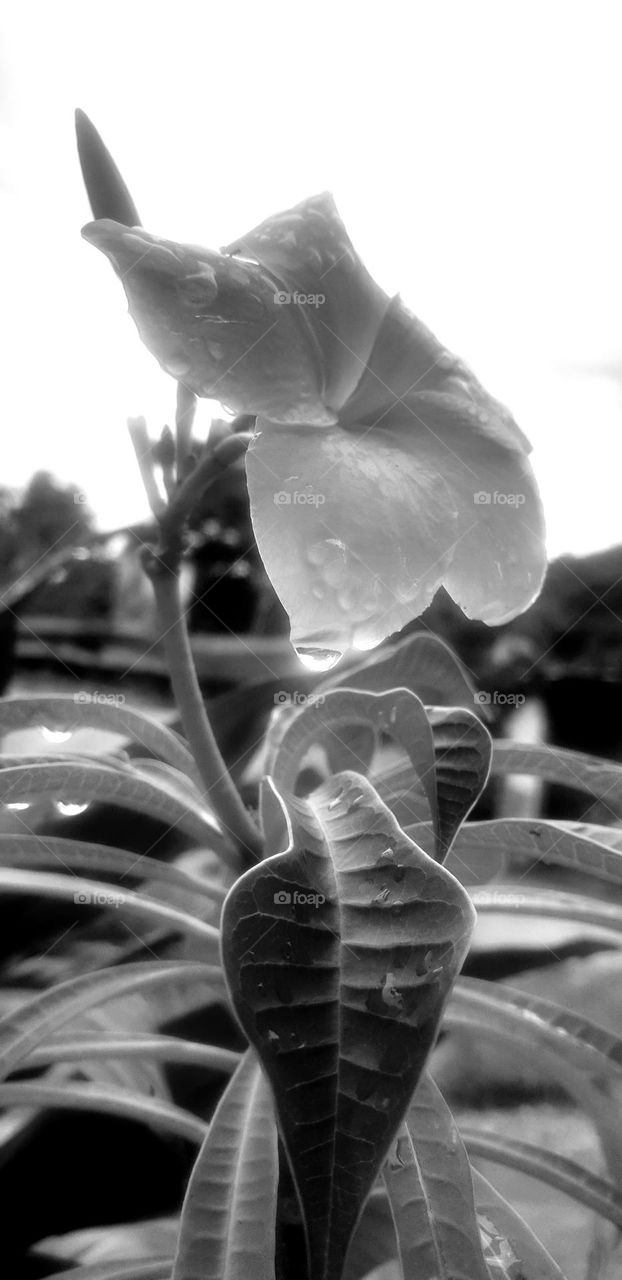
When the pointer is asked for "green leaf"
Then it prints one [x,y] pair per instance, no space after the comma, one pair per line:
[324,723]
[340,956]
[428,1181]
[228,1221]
[373,1242]
[144,1269]
[78,855]
[421,662]
[87,892]
[525,900]
[599,778]
[583,1057]
[114,1243]
[538,1162]
[115,1102]
[24,1028]
[462,753]
[84,782]
[88,711]
[483,851]
[107,192]
[84,1046]
[511,1249]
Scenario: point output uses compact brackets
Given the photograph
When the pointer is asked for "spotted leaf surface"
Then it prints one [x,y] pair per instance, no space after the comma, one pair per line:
[340,955]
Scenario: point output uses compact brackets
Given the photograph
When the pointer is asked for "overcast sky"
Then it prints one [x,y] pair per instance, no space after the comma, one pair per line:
[474,153]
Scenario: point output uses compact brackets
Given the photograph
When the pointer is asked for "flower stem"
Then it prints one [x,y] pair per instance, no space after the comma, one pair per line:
[219,787]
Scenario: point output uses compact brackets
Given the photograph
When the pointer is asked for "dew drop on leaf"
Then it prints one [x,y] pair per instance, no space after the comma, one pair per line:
[55,735]
[318,659]
[69,810]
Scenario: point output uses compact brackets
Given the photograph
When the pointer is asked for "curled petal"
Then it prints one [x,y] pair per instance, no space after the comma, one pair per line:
[215,322]
[308,250]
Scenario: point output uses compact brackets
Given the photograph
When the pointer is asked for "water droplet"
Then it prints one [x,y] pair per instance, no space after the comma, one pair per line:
[363,643]
[287,951]
[272,1035]
[403,1152]
[333,803]
[177,366]
[55,735]
[318,659]
[387,855]
[17,805]
[384,1103]
[69,810]
[398,872]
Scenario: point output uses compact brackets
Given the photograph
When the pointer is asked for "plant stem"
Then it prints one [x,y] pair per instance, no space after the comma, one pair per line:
[218,784]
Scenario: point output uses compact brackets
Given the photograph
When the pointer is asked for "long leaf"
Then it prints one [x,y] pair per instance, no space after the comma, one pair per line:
[87,892]
[137,1269]
[115,1102]
[523,899]
[509,1242]
[228,1221]
[430,1189]
[23,1029]
[69,714]
[78,855]
[599,778]
[340,955]
[565,1175]
[85,782]
[485,850]
[84,1047]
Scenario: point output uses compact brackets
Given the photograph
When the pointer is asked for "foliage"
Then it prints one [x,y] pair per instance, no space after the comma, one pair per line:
[337,951]
[331,916]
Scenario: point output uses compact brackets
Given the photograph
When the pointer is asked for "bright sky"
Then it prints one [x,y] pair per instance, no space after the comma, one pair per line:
[473,150]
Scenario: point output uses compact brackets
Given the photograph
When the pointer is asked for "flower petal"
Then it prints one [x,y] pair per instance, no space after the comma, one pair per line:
[308,250]
[357,530]
[215,323]
[406,361]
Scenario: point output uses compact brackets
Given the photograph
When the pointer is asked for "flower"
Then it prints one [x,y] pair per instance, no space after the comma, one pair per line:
[380,468]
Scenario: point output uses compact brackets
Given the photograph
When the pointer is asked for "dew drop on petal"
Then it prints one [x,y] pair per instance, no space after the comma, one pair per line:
[55,735]
[69,810]
[318,659]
